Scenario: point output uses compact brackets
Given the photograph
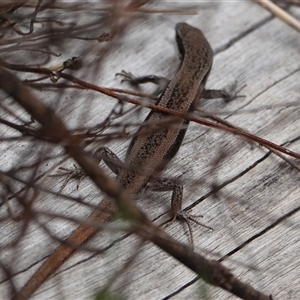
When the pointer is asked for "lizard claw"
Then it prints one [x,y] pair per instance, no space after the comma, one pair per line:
[74,173]
[187,218]
[231,91]
[129,77]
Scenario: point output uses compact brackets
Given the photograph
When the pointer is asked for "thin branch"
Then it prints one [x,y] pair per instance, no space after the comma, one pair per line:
[154,107]
[280,13]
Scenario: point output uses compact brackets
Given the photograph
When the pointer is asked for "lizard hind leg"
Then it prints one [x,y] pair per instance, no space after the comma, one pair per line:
[176,211]
[110,159]
[102,153]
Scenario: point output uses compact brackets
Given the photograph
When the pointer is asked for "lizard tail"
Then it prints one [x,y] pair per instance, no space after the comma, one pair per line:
[102,214]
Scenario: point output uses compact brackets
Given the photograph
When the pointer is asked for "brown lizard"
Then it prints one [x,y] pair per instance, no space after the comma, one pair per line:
[153,146]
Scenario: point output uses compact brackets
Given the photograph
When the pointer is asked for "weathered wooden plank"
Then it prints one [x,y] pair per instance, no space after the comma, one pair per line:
[264,53]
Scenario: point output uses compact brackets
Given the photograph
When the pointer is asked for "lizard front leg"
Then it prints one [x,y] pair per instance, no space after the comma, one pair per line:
[228,93]
[135,81]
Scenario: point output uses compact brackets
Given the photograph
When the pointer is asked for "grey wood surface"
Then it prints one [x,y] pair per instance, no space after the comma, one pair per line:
[259,189]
